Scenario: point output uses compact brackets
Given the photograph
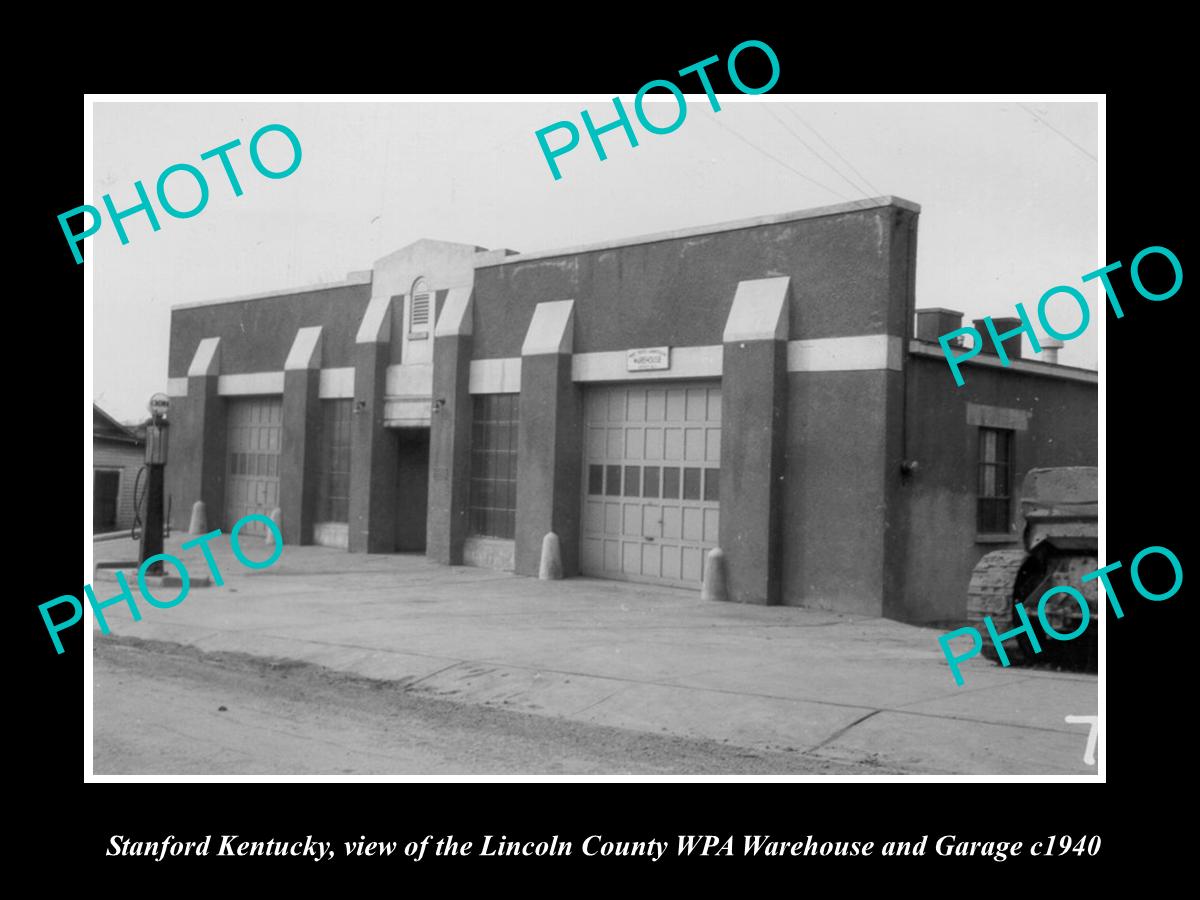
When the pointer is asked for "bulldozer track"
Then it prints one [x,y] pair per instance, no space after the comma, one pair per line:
[991,594]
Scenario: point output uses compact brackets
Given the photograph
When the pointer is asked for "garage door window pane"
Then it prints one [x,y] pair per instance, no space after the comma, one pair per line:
[651,483]
[595,480]
[633,481]
[613,487]
[691,484]
[712,481]
[670,483]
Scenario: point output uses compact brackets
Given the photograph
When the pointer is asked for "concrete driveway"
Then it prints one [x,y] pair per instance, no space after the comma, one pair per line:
[639,657]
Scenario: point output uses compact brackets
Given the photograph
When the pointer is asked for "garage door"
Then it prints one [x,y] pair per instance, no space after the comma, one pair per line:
[651,470]
[252,472]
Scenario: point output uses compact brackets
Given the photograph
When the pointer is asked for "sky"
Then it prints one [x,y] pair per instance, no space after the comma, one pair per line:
[1008,195]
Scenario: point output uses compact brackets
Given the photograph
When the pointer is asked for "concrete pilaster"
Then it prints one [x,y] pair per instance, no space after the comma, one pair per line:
[753,440]
[198,424]
[549,446]
[301,436]
[373,459]
[450,431]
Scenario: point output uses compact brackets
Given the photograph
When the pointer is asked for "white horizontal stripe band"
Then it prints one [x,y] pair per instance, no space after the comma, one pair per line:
[503,375]
[611,365]
[845,354]
[409,380]
[495,376]
[336,384]
[250,383]
[848,354]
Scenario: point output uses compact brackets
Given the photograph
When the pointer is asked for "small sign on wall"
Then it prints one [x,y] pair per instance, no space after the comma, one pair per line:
[648,358]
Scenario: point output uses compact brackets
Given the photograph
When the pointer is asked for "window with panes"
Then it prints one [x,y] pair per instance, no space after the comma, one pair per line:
[654,482]
[333,482]
[493,495]
[994,509]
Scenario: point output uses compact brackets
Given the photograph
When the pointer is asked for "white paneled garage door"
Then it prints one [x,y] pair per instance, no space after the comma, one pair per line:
[252,470]
[651,471]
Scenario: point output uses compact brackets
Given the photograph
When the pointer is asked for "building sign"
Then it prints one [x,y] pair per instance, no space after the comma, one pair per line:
[648,358]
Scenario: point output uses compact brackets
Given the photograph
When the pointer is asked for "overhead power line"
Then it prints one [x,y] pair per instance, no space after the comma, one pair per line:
[1056,131]
[776,159]
[877,192]
[814,152]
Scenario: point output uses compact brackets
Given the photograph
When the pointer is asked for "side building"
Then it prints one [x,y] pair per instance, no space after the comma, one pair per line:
[755,385]
[117,455]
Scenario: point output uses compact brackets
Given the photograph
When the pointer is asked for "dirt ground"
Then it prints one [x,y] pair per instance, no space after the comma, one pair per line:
[168,709]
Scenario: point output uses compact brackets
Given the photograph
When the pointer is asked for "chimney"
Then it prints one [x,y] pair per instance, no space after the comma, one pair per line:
[1012,346]
[1050,348]
[933,322]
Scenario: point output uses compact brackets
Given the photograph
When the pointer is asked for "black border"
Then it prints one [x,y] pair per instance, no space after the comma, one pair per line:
[1146,476]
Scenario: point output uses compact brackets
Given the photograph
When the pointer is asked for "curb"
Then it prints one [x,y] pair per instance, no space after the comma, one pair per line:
[759,722]
[108,573]
[110,536]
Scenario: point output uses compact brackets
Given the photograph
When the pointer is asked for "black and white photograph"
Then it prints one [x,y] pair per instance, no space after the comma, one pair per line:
[439,437]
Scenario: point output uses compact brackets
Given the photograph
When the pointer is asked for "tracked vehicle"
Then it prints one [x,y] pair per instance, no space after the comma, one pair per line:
[1058,524]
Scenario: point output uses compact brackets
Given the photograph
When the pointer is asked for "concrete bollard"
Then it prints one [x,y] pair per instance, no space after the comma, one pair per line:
[551,565]
[277,518]
[714,586]
[199,522]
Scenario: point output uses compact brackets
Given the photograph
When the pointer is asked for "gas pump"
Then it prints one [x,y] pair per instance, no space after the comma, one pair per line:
[156,461]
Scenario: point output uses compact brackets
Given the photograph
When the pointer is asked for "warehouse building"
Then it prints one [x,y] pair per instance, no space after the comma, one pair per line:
[766,386]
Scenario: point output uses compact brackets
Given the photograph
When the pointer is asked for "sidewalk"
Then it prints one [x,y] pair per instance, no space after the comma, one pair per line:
[631,656]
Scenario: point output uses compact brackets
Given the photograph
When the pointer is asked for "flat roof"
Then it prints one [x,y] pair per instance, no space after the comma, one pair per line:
[1015,364]
[352,279]
[483,261]
[736,225]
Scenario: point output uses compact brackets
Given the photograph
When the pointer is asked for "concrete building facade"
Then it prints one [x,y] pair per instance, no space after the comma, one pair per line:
[764,386]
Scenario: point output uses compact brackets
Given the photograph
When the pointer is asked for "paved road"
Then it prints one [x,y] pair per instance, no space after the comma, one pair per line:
[170,709]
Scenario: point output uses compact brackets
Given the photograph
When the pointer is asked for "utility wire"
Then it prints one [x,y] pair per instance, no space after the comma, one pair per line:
[814,152]
[1056,131]
[878,193]
[772,156]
